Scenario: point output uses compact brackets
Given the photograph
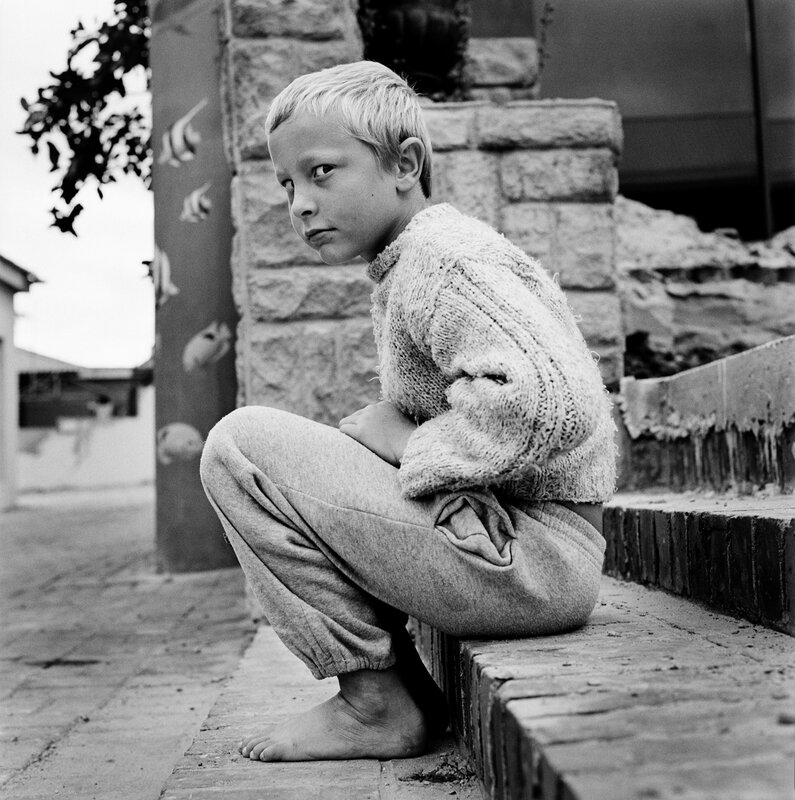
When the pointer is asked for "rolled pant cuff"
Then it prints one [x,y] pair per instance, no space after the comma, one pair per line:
[343,665]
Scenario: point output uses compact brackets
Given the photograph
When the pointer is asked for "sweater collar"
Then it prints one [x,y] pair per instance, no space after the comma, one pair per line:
[388,257]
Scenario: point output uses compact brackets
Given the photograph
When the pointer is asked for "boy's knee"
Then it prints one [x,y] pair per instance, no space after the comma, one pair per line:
[235,436]
[224,438]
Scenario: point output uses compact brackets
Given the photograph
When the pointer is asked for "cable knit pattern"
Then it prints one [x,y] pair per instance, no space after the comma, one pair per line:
[477,343]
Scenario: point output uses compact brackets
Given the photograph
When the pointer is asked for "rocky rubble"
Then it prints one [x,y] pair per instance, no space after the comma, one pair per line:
[689,297]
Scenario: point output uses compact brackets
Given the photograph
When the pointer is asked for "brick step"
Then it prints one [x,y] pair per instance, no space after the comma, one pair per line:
[657,697]
[735,554]
[725,426]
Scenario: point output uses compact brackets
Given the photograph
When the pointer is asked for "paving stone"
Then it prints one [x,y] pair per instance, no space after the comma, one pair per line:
[108,677]
[269,686]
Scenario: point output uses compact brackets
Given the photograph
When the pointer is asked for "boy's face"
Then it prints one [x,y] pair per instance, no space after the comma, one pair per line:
[342,202]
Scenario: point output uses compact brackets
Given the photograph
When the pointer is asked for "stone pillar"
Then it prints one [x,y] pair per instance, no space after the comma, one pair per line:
[543,172]
[304,339]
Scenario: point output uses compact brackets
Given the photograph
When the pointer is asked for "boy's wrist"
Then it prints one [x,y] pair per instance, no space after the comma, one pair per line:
[401,441]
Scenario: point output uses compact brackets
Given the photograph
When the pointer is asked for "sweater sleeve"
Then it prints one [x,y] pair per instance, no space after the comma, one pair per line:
[523,386]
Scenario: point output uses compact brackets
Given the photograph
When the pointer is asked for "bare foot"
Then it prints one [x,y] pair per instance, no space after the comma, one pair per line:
[373,716]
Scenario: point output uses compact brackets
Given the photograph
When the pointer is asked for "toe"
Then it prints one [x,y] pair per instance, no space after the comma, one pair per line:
[247,743]
[257,749]
[269,753]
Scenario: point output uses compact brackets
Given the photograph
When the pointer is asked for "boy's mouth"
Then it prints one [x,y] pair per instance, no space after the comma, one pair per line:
[316,235]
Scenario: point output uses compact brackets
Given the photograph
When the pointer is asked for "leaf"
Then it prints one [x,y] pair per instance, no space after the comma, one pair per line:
[55,155]
[84,142]
[65,223]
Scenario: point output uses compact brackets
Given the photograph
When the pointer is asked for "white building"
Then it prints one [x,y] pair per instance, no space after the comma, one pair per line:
[83,427]
[13,279]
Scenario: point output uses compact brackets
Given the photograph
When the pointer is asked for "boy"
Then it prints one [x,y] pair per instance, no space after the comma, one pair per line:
[470,496]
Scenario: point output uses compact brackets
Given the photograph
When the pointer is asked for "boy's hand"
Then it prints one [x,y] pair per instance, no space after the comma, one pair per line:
[381,428]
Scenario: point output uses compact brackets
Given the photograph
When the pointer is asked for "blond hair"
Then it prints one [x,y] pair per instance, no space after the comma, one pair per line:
[373,104]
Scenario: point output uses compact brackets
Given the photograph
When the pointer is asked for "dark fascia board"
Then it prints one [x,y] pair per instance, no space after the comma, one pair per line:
[15,277]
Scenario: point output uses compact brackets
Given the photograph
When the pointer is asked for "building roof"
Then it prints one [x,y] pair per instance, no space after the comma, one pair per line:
[27,362]
[15,277]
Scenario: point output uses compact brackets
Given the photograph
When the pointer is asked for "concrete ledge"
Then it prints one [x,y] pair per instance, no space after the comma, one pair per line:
[727,425]
[651,699]
[734,554]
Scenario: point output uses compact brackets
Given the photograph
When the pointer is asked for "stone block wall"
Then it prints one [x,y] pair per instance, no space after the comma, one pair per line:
[501,68]
[542,172]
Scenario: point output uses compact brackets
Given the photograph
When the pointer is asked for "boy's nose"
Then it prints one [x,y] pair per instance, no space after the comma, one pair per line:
[303,205]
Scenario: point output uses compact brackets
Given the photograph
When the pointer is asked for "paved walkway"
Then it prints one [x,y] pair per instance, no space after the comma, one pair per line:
[108,671]
[106,668]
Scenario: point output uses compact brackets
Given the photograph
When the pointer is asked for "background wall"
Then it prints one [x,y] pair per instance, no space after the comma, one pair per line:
[90,452]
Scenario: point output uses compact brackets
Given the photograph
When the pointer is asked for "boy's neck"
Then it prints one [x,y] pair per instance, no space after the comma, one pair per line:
[413,207]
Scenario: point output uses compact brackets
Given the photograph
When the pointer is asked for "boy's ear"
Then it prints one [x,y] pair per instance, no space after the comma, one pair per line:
[410,163]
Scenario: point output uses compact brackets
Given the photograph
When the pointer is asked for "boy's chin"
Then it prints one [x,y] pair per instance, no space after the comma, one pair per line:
[336,259]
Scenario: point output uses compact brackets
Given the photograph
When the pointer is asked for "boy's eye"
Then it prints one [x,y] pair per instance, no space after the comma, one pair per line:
[321,170]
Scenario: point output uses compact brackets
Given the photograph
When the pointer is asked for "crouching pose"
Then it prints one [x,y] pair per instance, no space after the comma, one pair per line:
[470,496]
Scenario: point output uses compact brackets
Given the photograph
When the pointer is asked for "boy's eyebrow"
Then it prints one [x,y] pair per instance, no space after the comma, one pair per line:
[310,159]
[313,156]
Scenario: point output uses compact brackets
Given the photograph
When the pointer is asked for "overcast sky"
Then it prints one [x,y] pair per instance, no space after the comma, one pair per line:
[94,306]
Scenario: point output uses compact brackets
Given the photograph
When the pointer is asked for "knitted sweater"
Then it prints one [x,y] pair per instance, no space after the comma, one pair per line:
[477,343]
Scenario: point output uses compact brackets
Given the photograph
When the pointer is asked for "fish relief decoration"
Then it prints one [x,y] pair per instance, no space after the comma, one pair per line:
[178,441]
[197,205]
[180,141]
[160,273]
[208,346]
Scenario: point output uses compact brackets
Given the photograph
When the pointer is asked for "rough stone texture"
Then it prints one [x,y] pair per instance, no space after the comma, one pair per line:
[451,125]
[259,69]
[600,322]
[600,315]
[721,316]
[502,61]
[532,226]
[725,552]
[550,124]
[321,369]
[500,95]
[560,174]
[468,179]
[655,697]
[575,240]
[309,19]
[278,295]
[584,245]
[264,235]
[688,290]
[653,239]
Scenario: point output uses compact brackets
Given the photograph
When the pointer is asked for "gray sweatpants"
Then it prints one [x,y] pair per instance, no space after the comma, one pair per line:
[338,557]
